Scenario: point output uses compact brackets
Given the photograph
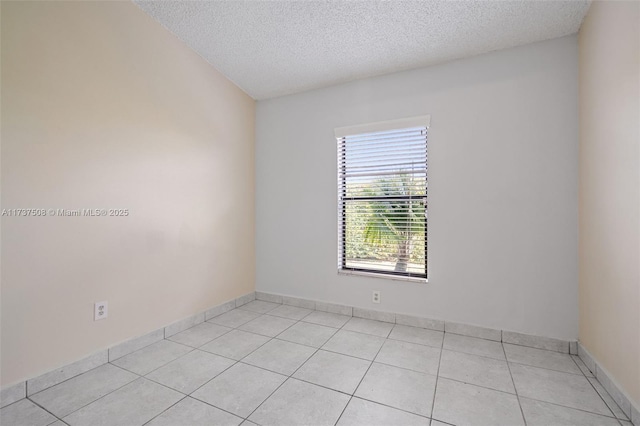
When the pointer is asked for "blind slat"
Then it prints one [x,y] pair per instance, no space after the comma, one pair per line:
[382,202]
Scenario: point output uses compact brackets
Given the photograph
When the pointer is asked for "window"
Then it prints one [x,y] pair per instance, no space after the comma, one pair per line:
[382,198]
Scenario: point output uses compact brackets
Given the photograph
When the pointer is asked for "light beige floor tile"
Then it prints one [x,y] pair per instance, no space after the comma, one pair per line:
[236,344]
[476,370]
[132,405]
[335,371]
[399,388]
[541,358]
[260,306]
[417,335]
[188,373]
[366,326]
[354,344]
[145,360]
[327,318]
[473,346]
[308,334]
[424,359]
[569,390]
[190,412]
[366,413]
[73,394]
[538,413]
[291,312]
[200,334]
[301,403]
[234,318]
[24,412]
[240,389]
[465,405]
[280,356]
[267,325]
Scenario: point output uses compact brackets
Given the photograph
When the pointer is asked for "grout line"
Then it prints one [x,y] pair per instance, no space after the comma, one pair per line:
[103,396]
[236,361]
[296,370]
[435,389]
[163,365]
[407,369]
[141,376]
[392,407]
[478,386]
[571,408]
[534,347]
[314,384]
[240,362]
[28,397]
[167,409]
[601,397]
[89,403]
[188,394]
[108,350]
[145,346]
[287,379]
[545,368]
[513,382]
[576,358]
[317,349]
[361,380]
[14,403]
[515,362]
[341,353]
[217,408]
[508,362]
[440,421]
[64,381]
[40,406]
[326,387]
[291,376]
[476,354]
[304,344]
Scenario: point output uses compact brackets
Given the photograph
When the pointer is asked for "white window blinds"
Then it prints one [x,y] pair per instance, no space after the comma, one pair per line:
[382,199]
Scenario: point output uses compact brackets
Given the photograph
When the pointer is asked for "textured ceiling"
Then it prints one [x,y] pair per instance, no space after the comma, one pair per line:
[274,48]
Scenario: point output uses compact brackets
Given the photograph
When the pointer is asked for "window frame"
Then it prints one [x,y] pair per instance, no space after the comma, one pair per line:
[391,125]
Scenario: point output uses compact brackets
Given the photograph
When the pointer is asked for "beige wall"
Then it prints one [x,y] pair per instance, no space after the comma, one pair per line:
[104,108]
[609,223]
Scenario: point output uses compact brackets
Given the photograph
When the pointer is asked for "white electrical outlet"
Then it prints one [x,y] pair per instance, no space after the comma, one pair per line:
[101,310]
[376,296]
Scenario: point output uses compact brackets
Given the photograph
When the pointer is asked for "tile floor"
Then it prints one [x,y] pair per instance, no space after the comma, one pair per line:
[271,364]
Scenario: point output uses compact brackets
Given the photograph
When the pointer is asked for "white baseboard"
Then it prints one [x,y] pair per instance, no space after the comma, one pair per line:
[15,392]
[506,336]
[626,404]
[20,390]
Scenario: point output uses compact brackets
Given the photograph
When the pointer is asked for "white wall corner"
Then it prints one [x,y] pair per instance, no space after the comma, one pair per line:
[243,300]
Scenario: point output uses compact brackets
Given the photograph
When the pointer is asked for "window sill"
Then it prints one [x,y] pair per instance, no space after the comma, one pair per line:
[418,280]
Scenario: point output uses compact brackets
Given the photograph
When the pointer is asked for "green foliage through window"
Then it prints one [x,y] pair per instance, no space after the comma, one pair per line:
[384,204]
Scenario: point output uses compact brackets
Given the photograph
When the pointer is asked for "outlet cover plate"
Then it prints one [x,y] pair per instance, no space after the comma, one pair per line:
[101,311]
